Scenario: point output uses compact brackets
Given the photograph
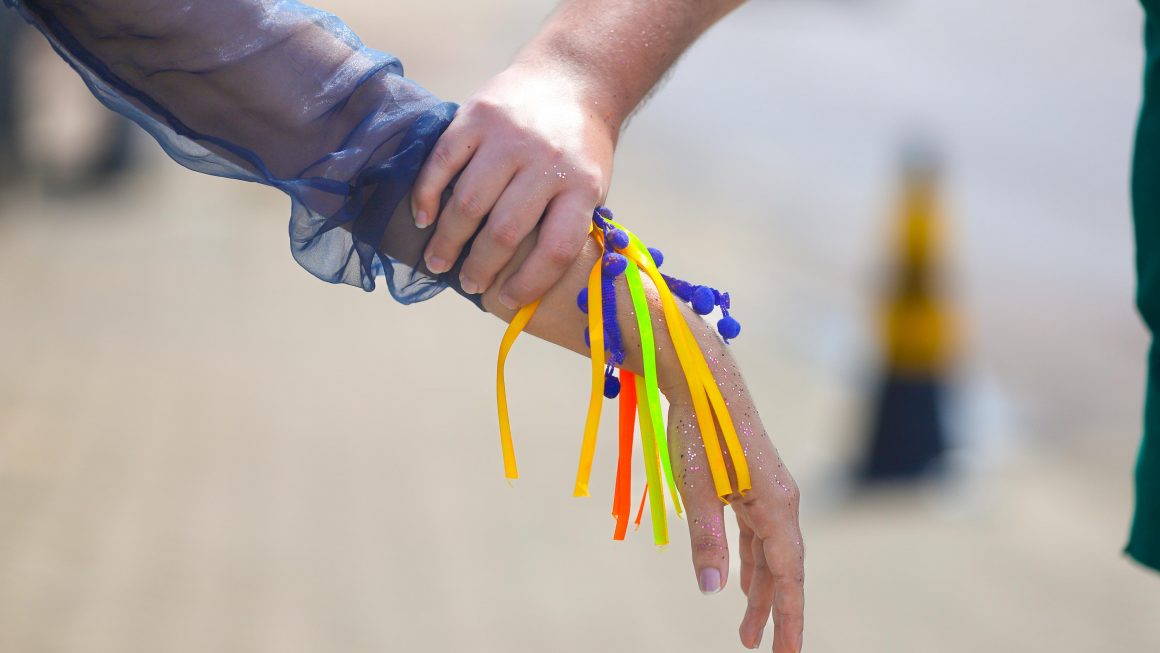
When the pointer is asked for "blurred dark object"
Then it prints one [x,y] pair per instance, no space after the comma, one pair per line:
[112,157]
[908,434]
[10,26]
[81,165]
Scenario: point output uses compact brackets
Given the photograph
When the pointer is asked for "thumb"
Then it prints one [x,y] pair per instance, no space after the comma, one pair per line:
[707,540]
[705,512]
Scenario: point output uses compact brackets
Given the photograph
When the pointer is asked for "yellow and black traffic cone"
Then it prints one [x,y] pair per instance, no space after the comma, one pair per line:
[908,434]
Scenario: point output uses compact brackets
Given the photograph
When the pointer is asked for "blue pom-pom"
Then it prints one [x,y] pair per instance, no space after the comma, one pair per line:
[587,340]
[614,264]
[728,327]
[703,300]
[658,257]
[582,300]
[618,239]
[604,212]
[611,386]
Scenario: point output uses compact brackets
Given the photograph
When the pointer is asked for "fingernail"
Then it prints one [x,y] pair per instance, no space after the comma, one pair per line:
[468,285]
[710,580]
[421,219]
[507,301]
[437,265]
[797,643]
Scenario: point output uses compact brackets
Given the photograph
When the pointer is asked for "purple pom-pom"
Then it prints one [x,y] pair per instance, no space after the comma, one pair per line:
[582,300]
[618,239]
[604,212]
[611,386]
[614,264]
[587,340]
[728,327]
[657,256]
[702,300]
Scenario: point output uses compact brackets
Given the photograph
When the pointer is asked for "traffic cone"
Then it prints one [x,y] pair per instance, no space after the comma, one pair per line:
[908,432]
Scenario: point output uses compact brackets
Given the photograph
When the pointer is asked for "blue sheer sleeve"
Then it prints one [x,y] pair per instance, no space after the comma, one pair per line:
[276,93]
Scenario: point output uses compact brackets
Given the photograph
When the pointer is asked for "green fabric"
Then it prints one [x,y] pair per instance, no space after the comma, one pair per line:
[1144,540]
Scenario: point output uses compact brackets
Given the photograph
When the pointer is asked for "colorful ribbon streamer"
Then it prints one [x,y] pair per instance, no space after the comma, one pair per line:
[639,394]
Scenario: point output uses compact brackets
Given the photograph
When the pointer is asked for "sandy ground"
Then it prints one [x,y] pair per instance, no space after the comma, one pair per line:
[204,449]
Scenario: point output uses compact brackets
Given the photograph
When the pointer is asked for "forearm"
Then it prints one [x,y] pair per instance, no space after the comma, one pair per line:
[617,51]
[277,93]
[277,81]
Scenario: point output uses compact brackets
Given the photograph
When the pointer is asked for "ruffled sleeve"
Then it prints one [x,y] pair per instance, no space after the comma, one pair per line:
[276,93]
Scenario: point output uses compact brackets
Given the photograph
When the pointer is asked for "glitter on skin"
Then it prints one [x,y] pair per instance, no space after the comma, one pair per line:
[713,528]
[685,432]
[774,488]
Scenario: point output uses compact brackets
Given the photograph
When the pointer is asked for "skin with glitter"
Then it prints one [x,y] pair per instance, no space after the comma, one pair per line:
[770,542]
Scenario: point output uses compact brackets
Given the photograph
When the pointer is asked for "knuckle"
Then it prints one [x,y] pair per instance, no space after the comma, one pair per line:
[590,183]
[795,576]
[484,106]
[554,153]
[705,543]
[562,252]
[505,234]
[786,495]
[441,156]
[793,496]
[468,205]
[787,616]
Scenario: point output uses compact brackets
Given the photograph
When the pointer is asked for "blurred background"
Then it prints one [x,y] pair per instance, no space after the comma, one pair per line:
[186,467]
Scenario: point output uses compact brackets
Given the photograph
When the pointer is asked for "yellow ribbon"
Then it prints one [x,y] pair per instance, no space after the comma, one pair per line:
[596,350]
[505,428]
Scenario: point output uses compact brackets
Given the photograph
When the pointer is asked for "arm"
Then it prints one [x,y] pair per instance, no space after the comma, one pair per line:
[538,139]
[276,93]
[772,571]
[337,127]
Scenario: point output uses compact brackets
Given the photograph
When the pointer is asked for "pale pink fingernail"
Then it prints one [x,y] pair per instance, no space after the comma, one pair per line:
[710,580]
[437,265]
[507,301]
[421,220]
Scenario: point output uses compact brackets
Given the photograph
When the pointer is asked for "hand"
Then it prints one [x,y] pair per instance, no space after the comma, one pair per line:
[529,144]
[772,562]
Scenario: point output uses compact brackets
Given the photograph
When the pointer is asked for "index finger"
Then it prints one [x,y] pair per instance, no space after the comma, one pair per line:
[451,154]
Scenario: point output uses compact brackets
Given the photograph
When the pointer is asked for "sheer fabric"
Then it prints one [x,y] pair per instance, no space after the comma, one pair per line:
[276,93]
